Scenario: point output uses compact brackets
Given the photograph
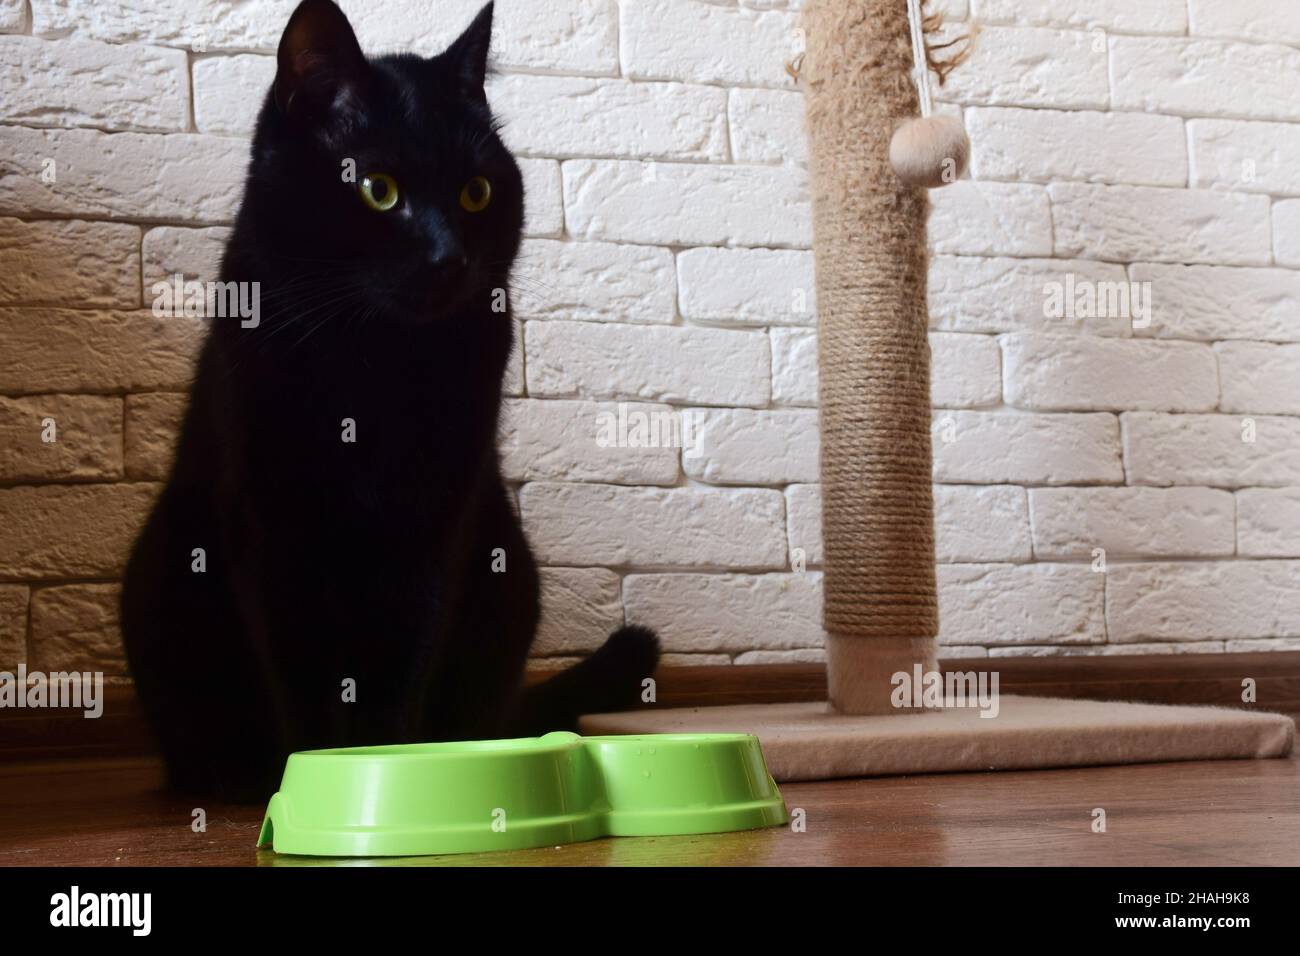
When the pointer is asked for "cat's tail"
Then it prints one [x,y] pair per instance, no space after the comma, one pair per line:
[610,679]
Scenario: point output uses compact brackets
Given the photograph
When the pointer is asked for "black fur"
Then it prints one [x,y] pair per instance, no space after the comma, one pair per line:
[369,560]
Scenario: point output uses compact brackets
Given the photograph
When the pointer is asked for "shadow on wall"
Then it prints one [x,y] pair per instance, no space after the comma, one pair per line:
[91,394]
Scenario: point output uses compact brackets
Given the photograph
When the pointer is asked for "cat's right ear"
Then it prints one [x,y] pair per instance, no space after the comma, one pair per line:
[319,61]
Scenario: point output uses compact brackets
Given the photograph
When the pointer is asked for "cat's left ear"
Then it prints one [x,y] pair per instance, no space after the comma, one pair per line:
[469,54]
[319,60]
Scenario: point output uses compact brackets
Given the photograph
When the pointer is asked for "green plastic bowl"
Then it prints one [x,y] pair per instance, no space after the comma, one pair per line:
[424,799]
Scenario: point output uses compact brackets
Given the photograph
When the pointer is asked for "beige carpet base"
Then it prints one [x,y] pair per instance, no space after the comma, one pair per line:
[806,741]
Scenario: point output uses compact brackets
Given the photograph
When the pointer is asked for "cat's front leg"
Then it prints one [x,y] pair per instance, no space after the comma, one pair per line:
[475,689]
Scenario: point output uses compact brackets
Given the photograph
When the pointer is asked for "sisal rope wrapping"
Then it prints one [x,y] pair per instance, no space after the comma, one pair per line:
[873,355]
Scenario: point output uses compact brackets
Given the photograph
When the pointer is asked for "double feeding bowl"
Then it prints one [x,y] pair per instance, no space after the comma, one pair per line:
[476,796]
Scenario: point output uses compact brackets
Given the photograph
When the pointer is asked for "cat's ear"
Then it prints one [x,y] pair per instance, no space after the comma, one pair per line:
[319,60]
[469,54]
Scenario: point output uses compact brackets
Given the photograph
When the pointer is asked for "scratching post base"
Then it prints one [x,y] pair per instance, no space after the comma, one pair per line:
[807,741]
[859,670]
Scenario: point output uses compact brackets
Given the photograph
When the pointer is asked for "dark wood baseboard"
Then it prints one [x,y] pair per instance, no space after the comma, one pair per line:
[1154,678]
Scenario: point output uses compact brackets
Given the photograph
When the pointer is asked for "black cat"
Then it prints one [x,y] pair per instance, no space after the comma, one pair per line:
[334,560]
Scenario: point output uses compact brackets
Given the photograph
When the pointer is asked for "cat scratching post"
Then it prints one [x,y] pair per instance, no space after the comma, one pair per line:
[881,612]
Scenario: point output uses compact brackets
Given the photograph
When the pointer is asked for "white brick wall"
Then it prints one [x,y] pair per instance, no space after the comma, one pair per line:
[667,282]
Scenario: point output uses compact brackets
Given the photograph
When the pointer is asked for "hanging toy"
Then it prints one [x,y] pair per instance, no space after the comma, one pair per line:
[929,151]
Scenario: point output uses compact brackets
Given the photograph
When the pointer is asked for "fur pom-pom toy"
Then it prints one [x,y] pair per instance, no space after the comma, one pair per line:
[929,151]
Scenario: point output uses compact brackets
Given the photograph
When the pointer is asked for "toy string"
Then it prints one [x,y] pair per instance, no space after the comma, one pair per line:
[920,70]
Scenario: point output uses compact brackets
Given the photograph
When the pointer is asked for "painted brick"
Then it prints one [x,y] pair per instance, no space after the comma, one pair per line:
[75,628]
[965,370]
[597,281]
[153,420]
[1003,447]
[1131,522]
[990,219]
[803,655]
[747,286]
[794,366]
[687,203]
[1150,16]
[1009,604]
[88,437]
[1110,650]
[972,294]
[963,652]
[728,612]
[583,441]
[82,350]
[767,127]
[694,660]
[69,262]
[185,23]
[513,381]
[706,43]
[569,36]
[1205,77]
[613,526]
[1261,20]
[178,176]
[1263,645]
[803,508]
[1220,302]
[1286,233]
[13,625]
[13,16]
[193,253]
[1031,66]
[61,531]
[1205,600]
[1043,146]
[580,607]
[981,524]
[84,83]
[1268,522]
[1259,378]
[229,91]
[1125,223]
[1249,156]
[747,447]
[567,116]
[1210,450]
[951,9]
[607,360]
[1063,373]
[543,198]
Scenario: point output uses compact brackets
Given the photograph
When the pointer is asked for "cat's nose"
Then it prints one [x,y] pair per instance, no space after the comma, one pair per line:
[448,258]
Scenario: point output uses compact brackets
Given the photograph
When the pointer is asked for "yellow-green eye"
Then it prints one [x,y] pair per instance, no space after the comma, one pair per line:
[475,194]
[379,190]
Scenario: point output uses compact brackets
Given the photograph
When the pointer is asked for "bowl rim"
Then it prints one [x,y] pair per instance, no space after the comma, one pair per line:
[513,746]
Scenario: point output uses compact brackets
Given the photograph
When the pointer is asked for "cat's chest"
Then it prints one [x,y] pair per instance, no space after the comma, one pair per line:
[374,452]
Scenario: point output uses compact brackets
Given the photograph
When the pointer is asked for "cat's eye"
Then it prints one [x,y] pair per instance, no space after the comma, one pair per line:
[379,190]
[476,194]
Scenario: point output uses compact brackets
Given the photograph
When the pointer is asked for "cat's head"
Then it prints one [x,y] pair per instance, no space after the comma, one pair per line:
[382,179]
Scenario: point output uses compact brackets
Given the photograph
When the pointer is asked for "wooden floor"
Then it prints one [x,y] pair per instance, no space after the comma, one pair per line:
[1242,812]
